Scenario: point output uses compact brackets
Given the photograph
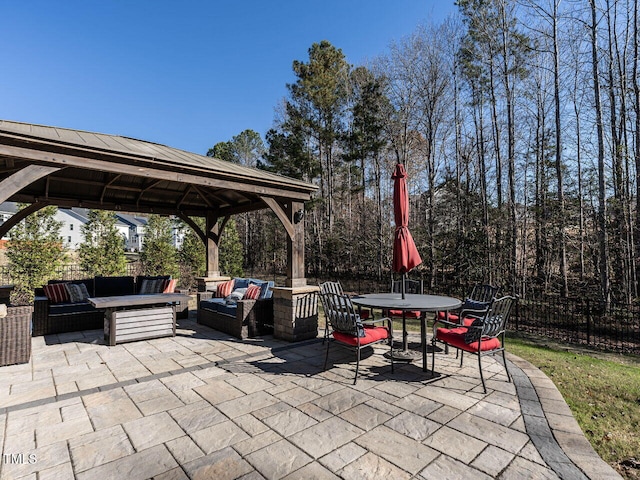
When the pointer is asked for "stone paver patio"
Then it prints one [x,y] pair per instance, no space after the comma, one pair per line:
[203,405]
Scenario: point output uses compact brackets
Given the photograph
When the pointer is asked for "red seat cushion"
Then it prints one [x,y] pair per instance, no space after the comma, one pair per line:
[364,314]
[371,335]
[455,338]
[407,314]
[455,318]
[451,318]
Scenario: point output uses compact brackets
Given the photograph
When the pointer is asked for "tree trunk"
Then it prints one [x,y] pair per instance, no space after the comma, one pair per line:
[602,201]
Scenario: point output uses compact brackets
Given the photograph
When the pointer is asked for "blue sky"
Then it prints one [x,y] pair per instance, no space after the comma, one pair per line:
[187,74]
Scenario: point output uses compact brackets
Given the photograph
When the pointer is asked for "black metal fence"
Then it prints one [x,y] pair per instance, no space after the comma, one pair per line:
[67,272]
[577,321]
[581,321]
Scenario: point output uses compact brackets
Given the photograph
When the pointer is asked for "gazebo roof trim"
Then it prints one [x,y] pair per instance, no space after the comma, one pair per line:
[154,153]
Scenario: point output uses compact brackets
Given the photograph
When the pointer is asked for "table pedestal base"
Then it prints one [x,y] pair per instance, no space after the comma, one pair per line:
[406,355]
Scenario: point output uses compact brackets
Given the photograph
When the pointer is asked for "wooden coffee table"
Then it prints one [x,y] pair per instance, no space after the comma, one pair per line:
[129,318]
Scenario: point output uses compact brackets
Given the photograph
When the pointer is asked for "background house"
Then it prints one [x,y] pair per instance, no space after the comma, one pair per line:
[130,226]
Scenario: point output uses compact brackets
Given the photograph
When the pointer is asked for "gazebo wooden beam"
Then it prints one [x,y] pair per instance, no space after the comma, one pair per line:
[24,177]
[21,215]
[69,160]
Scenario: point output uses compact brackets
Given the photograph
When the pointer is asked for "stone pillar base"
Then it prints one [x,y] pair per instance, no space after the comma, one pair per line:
[295,313]
[205,283]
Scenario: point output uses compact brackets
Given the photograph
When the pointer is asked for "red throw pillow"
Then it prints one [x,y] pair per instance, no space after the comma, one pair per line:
[169,286]
[225,288]
[252,293]
[56,292]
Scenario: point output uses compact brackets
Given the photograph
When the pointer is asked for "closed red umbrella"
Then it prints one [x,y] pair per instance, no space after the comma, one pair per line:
[405,253]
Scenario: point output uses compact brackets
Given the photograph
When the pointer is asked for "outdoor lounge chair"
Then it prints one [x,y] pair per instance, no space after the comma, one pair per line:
[348,330]
[485,336]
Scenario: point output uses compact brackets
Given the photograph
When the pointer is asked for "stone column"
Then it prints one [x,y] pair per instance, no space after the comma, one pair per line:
[295,313]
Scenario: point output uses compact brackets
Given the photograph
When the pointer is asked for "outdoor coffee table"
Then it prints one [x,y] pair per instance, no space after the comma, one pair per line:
[139,317]
[410,302]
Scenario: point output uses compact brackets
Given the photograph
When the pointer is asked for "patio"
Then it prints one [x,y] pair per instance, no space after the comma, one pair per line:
[205,405]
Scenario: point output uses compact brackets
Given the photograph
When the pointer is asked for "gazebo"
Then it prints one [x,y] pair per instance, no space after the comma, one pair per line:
[43,165]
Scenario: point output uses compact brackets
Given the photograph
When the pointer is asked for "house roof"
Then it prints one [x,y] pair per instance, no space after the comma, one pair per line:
[114,172]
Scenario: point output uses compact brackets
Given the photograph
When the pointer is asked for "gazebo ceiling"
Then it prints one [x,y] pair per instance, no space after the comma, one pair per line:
[111,172]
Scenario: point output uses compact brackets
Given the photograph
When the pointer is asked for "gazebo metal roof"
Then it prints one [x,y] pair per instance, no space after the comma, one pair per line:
[112,172]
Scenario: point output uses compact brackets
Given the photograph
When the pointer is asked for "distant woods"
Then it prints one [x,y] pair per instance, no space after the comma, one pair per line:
[519,126]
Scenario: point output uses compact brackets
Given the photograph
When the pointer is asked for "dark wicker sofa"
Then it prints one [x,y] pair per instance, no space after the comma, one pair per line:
[50,317]
[243,319]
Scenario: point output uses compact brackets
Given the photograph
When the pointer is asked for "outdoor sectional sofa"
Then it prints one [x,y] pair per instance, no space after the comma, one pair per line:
[51,316]
[243,318]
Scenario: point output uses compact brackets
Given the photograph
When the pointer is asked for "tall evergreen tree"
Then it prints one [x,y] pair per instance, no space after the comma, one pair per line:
[102,251]
[192,255]
[158,255]
[318,100]
[231,254]
[34,252]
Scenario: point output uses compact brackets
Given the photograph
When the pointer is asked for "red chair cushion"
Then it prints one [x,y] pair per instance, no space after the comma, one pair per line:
[364,314]
[455,318]
[455,338]
[169,286]
[451,318]
[371,335]
[407,314]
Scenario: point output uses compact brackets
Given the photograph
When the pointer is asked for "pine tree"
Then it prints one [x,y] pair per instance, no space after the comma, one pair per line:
[102,252]
[231,254]
[192,255]
[34,252]
[159,256]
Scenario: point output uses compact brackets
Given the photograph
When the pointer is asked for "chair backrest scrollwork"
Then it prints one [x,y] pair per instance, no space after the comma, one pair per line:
[496,319]
[410,286]
[340,313]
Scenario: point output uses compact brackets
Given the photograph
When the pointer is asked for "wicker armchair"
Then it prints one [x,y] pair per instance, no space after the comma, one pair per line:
[15,335]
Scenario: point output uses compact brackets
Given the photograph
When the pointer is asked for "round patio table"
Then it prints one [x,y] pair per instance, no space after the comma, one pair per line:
[410,302]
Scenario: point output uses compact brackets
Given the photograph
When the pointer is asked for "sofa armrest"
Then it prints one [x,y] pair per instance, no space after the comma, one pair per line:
[256,313]
[40,315]
[41,304]
[204,296]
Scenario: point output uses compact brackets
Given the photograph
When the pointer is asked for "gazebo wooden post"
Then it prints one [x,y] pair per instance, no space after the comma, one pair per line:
[295,246]
[213,231]
[295,306]
[213,237]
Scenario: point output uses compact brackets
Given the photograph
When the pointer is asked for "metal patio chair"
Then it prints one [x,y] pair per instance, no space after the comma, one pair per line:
[348,329]
[474,306]
[485,336]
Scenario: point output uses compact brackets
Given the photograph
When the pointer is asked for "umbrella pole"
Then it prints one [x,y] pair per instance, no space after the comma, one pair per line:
[405,334]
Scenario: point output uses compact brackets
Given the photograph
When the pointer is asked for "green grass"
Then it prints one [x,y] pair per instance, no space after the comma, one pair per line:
[603,394]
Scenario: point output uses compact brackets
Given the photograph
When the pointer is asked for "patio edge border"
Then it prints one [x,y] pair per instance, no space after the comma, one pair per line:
[552,426]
